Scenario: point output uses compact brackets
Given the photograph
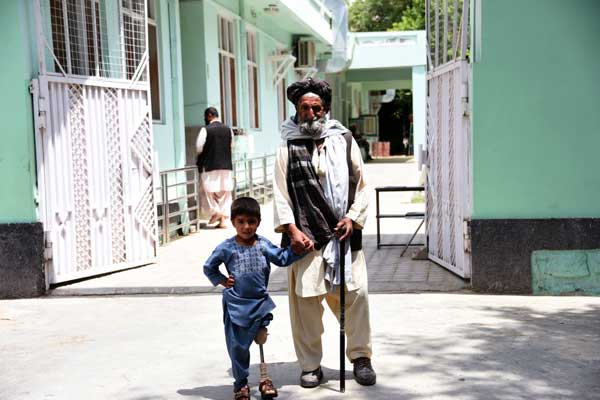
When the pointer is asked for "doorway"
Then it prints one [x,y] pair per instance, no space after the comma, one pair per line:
[395,123]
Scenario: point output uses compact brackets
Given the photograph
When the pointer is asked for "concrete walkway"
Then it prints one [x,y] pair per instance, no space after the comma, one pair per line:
[179,266]
[426,346]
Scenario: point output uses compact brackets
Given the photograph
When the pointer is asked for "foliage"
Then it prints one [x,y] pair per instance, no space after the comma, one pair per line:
[413,18]
[387,15]
[376,15]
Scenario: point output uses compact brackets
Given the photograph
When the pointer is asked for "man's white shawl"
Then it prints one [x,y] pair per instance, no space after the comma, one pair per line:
[335,187]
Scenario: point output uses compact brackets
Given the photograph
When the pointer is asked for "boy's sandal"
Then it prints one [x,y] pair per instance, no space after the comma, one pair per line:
[266,388]
[242,394]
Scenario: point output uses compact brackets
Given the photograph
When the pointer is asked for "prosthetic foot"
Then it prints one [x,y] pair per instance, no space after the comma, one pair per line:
[266,388]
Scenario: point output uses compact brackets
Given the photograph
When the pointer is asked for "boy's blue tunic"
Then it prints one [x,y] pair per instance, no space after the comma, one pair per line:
[247,305]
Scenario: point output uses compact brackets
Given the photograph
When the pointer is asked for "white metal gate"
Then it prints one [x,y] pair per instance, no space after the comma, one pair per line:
[448,189]
[94,138]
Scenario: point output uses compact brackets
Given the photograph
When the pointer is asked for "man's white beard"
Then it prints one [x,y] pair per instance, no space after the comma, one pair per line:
[313,128]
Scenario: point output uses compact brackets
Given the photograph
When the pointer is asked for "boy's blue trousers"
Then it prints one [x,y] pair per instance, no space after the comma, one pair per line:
[238,340]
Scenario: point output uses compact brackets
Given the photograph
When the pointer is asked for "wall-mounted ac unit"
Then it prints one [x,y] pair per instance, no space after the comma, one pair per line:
[307,54]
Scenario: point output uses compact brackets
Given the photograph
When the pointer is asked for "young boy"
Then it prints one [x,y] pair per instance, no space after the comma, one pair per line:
[246,304]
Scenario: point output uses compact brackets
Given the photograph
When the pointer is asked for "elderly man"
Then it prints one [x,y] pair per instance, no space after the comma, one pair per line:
[320,198]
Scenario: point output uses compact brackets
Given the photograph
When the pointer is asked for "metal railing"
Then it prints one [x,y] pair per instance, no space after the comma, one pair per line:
[179,201]
[178,188]
[254,177]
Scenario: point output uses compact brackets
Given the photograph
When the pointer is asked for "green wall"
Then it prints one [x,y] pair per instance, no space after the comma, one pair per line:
[201,71]
[17,161]
[536,109]
[169,139]
[381,74]
[194,62]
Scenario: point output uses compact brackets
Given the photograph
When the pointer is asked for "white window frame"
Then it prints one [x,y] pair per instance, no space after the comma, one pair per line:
[227,58]
[253,78]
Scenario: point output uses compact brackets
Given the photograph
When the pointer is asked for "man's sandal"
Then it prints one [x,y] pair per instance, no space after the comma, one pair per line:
[242,394]
[266,388]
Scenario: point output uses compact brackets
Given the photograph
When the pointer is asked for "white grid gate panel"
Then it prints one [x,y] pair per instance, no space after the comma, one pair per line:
[94,136]
[448,187]
[448,181]
[99,191]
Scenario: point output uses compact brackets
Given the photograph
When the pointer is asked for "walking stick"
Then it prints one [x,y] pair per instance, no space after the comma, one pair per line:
[342,316]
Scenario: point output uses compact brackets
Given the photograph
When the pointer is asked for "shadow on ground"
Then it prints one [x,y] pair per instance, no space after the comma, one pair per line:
[389,272]
[285,376]
[530,355]
[513,353]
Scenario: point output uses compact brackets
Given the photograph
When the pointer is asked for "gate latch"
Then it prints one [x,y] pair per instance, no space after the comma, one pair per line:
[47,247]
[467,235]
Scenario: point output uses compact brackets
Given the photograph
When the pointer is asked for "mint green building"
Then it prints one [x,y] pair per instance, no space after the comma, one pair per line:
[512,138]
[97,99]
[378,65]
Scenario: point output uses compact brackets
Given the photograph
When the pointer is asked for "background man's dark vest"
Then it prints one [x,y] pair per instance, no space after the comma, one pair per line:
[216,153]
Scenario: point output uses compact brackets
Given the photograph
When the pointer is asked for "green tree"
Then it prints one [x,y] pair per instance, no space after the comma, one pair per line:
[413,17]
[377,15]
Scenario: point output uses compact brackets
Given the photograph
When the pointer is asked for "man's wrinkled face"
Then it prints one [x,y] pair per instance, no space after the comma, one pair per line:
[311,115]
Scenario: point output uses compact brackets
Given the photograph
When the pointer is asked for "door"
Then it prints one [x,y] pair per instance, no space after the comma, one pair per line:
[448,187]
[94,137]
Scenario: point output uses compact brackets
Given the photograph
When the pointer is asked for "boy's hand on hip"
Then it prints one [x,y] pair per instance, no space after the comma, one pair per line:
[229,282]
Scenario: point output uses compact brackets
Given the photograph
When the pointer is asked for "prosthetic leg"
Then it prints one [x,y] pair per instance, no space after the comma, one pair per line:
[266,388]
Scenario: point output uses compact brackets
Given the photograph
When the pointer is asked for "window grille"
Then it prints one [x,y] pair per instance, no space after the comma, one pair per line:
[134,36]
[448,31]
[227,71]
[252,51]
[94,38]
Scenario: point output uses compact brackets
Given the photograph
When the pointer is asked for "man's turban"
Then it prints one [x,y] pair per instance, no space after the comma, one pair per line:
[321,88]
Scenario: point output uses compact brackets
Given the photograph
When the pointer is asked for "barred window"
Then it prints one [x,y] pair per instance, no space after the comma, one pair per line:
[78,32]
[251,47]
[86,42]
[134,38]
[227,71]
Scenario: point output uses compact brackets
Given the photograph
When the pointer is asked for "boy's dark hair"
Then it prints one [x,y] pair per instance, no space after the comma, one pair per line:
[245,206]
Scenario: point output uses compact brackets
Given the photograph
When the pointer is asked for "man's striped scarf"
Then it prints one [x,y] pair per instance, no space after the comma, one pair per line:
[312,213]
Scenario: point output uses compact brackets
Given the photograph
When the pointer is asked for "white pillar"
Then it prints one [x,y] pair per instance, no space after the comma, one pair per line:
[419,109]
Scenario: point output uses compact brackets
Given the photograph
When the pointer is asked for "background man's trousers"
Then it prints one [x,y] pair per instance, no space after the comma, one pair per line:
[306,314]
[218,202]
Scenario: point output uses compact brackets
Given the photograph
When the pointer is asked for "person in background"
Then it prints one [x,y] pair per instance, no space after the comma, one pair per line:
[214,147]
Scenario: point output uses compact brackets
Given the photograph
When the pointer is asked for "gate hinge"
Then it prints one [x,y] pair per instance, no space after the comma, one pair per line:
[41,105]
[464,97]
[467,235]
[47,247]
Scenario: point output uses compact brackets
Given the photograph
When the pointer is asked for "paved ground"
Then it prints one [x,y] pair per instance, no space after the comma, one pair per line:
[179,266]
[426,346]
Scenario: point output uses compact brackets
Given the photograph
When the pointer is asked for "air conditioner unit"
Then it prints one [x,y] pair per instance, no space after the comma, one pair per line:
[307,54]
